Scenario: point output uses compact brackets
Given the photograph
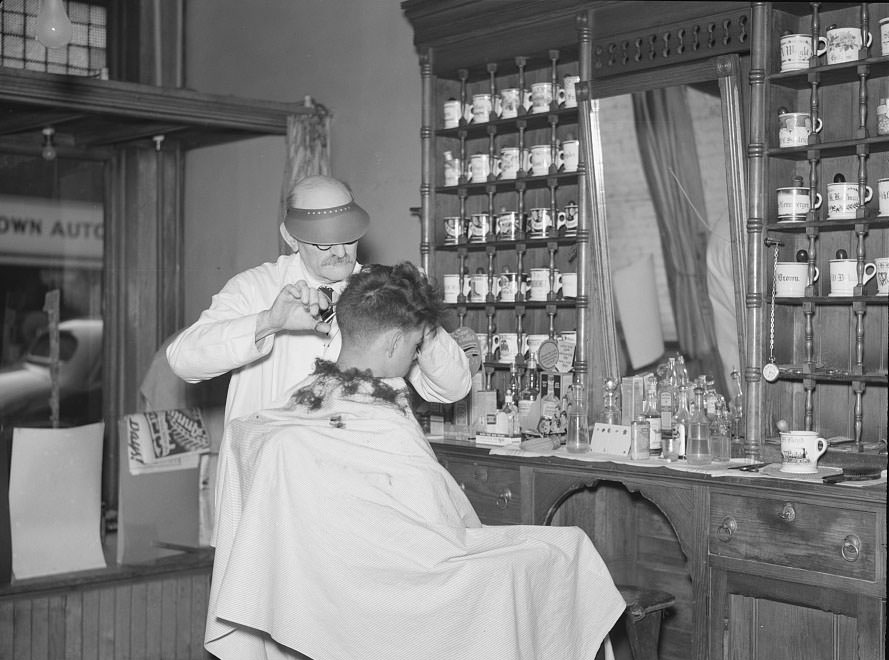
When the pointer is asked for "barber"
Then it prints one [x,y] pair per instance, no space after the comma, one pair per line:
[265,326]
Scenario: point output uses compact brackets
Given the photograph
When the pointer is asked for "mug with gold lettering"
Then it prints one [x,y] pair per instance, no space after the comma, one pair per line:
[792,278]
[794,203]
[796,51]
[844,276]
[843,200]
[541,283]
[794,128]
[482,107]
[452,112]
[513,160]
[570,155]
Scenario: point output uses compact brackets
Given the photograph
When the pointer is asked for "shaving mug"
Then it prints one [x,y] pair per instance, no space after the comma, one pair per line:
[567,220]
[479,228]
[569,285]
[540,283]
[796,50]
[510,285]
[844,44]
[481,108]
[542,158]
[570,155]
[506,347]
[451,287]
[570,93]
[883,195]
[843,200]
[883,117]
[800,451]
[480,167]
[513,160]
[478,287]
[793,203]
[452,169]
[455,229]
[509,225]
[882,264]
[511,99]
[884,36]
[452,112]
[540,222]
[795,128]
[844,276]
[791,279]
[543,94]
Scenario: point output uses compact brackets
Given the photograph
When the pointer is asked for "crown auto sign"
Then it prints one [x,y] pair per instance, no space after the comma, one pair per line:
[40,231]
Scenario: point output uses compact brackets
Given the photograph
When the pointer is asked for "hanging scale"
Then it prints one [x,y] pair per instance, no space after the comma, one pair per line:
[770,370]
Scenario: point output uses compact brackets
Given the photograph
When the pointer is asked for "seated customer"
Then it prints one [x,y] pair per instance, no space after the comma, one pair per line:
[342,538]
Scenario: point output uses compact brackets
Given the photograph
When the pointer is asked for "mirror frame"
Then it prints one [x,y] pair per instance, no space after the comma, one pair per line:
[726,70]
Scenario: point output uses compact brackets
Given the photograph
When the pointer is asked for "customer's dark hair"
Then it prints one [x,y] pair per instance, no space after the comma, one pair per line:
[381,297]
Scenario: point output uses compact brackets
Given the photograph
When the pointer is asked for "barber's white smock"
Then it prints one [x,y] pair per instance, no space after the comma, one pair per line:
[222,340]
[342,537]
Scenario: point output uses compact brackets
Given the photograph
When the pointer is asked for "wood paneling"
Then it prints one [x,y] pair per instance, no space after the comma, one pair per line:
[157,618]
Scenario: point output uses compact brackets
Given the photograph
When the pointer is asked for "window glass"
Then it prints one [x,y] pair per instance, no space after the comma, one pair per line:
[51,239]
[84,56]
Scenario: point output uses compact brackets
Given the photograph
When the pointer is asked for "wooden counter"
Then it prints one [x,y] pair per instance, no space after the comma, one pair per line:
[761,568]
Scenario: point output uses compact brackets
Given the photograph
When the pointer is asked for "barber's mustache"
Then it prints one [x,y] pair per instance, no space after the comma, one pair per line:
[334,260]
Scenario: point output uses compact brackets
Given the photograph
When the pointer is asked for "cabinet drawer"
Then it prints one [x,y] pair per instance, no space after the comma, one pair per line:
[493,490]
[797,534]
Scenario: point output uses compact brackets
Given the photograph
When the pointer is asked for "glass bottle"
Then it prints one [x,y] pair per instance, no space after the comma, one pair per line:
[610,413]
[680,426]
[736,406]
[653,416]
[512,415]
[666,393]
[720,440]
[697,449]
[577,440]
[515,382]
[531,388]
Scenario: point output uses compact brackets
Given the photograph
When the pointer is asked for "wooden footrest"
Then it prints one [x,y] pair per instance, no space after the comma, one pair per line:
[643,621]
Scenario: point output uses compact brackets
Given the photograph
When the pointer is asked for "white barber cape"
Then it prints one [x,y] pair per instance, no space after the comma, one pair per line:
[342,537]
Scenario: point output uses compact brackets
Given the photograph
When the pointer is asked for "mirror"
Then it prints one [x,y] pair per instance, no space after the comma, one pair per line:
[666,192]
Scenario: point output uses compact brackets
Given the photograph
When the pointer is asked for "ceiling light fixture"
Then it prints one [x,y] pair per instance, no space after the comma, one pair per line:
[49,149]
[54,28]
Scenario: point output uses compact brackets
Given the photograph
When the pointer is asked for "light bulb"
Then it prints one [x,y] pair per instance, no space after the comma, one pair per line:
[49,149]
[54,29]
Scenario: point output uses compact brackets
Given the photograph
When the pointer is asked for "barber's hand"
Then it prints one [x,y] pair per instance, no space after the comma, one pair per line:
[296,307]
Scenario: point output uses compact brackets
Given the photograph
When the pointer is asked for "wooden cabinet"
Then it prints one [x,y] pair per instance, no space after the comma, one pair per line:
[830,344]
[768,568]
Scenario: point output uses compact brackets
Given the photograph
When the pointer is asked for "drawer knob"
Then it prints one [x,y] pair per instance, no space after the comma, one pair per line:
[788,513]
[725,531]
[504,498]
[851,548]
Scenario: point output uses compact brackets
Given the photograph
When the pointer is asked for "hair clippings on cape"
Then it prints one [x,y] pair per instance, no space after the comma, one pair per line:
[337,422]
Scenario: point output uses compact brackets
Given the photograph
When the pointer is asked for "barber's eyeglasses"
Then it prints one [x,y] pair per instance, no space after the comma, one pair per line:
[325,248]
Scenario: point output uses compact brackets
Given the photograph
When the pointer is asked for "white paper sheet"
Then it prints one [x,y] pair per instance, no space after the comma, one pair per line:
[55,501]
